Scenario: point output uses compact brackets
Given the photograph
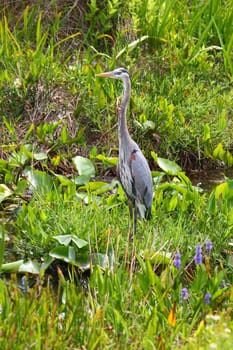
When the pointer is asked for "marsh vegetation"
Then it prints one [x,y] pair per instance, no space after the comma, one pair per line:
[70,276]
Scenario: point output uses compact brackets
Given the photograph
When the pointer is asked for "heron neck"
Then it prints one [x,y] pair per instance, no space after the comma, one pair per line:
[122,122]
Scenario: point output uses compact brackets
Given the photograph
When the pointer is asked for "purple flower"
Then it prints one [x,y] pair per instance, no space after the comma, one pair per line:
[198,255]
[177,261]
[207,298]
[223,284]
[184,293]
[24,284]
[208,247]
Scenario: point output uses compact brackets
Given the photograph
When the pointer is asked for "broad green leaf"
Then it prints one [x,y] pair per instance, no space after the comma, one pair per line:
[80,243]
[63,239]
[206,135]
[67,239]
[172,204]
[83,261]
[20,158]
[3,163]
[222,123]
[110,160]
[184,178]
[81,180]
[4,192]
[46,263]
[98,187]
[40,156]
[22,185]
[228,158]
[170,167]
[83,197]
[30,266]
[157,176]
[154,156]
[230,217]
[64,253]
[100,259]
[64,180]
[220,189]
[150,273]
[219,152]
[11,267]
[84,166]
[39,180]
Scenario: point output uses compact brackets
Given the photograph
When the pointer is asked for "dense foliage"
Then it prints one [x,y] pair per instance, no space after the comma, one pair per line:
[72,275]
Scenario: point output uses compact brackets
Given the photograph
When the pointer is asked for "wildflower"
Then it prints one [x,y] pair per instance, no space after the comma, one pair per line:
[208,247]
[227,330]
[198,255]
[24,284]
[61,318]
[223,284]
[177,261]
[213,317]
[184,293]
[17,83]
[207,298]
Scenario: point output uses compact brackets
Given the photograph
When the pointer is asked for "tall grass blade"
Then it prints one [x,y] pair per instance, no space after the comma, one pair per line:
[200,42]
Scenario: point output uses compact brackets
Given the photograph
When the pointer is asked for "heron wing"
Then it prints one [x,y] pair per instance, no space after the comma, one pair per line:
[142,181]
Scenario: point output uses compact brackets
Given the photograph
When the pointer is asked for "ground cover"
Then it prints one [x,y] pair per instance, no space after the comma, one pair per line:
[66,257]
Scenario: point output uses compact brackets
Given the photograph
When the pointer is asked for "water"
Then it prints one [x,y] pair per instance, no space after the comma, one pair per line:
[208,179]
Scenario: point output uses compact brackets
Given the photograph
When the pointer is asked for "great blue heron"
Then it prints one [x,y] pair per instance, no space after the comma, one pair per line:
[133,169]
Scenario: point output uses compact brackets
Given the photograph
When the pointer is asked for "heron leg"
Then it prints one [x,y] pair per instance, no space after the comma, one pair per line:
[134,219]
[129,230]
[132,225]
[133,256]
[133,215]
[132,260]
[130,208]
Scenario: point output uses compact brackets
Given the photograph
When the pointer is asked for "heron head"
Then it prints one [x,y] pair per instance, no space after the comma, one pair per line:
[118,73]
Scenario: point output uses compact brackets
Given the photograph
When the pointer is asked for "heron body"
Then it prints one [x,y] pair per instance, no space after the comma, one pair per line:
[133,169]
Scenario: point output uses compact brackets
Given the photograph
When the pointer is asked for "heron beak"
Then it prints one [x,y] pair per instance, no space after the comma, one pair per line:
[104,75]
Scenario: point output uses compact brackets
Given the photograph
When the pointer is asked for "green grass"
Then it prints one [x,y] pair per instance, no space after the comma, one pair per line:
[127,296]
[72,276]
